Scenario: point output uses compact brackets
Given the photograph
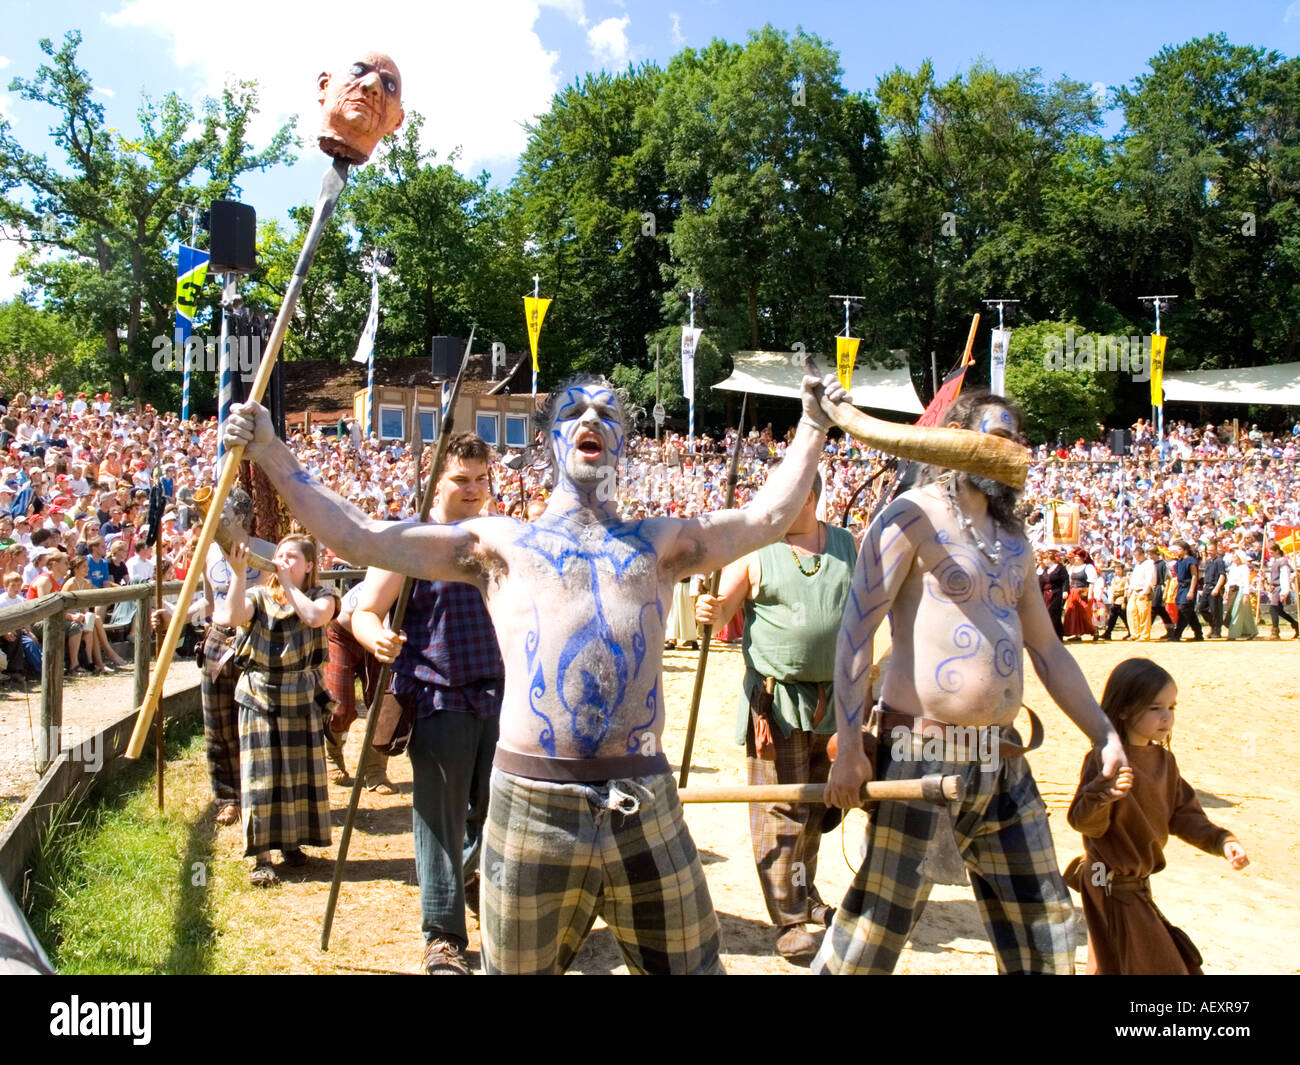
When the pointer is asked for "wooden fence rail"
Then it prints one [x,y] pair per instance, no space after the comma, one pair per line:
[51,610]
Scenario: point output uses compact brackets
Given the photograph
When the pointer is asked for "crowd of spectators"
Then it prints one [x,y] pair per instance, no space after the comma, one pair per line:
[76,474]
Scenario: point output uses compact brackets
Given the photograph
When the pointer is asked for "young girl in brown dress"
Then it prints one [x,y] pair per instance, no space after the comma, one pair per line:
[1125,832]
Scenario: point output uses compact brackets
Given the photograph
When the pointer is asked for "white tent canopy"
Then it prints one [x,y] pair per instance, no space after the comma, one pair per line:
[776,373]
[1278,385]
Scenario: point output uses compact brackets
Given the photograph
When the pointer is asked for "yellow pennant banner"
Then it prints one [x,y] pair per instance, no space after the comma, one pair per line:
[846,356]
[534,312]
[1157,370]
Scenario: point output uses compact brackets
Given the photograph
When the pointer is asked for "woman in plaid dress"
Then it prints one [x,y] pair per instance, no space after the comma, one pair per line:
[281,697]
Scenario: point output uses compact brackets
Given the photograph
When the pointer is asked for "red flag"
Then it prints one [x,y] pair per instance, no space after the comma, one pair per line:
[943,398]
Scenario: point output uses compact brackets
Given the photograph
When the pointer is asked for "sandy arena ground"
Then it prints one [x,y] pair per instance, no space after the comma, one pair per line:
[1237,741]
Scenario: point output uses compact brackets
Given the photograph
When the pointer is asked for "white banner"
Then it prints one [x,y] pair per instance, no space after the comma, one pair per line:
[998,362]
[366,345]
[690,338]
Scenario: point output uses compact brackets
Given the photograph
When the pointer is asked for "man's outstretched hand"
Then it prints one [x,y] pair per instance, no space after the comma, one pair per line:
[813,390]
[249,426]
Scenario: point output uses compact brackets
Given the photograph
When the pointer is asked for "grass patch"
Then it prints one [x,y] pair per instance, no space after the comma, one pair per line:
[7,810]
[119,887]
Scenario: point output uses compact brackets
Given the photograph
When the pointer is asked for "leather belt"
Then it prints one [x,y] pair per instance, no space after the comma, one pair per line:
[578,770]
[890,719]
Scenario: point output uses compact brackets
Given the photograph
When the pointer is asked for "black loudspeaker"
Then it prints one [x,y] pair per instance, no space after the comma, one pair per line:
[232,237]
[446,356]
[1121,442]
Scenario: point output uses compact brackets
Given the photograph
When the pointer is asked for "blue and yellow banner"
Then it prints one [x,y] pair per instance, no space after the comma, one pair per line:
[191,272]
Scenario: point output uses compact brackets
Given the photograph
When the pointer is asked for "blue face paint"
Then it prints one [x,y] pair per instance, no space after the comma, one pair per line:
[997,418]
[572,419]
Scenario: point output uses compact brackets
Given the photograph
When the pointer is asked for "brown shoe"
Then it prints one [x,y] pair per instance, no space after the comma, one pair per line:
[796,945]
[443,958]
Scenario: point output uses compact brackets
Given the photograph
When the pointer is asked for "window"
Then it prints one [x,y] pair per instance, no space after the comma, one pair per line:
[486,427]
[516,430]
[428,424]
[392,423]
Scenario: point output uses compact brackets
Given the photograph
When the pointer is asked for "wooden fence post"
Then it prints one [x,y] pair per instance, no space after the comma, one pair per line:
[143,634]
[53,644]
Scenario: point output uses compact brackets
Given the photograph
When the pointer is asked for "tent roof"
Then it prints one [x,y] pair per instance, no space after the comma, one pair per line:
[774,373]
[1278,385]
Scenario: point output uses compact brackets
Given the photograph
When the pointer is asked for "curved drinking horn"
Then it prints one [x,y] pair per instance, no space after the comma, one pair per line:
[225,534]
[963,450]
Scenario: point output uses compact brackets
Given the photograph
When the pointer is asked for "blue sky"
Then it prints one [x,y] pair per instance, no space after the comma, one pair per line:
[479,71]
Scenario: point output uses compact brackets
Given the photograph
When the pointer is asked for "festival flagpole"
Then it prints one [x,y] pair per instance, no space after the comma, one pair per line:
[706,634]
[534,314]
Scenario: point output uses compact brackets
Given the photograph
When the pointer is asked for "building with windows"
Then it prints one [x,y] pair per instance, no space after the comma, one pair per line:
[498,405]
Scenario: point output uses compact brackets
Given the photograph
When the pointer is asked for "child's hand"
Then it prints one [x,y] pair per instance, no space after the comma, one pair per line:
[1236,854]
[1122,783]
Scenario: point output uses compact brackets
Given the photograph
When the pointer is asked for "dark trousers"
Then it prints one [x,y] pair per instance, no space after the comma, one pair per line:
[1187,616]
[1158,611]
[1211,610]
[1055,610]
[1278,614]
[1117,613]
[451,766]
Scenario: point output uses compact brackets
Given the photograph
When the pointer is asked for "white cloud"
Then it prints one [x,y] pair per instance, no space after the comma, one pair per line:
[104,92]
[1098,90]
[679,38]
[477,72]
[4,61]
[9,252]
[573,10]
[608,41]
[1292,13]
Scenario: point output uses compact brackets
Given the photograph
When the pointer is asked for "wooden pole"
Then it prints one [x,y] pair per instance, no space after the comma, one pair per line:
[331,186]
[932,788]
[381,684]
[706,635]
[53,643]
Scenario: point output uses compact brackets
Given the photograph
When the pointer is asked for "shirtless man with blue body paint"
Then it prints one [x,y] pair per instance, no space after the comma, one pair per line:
[584,817]
[949,564]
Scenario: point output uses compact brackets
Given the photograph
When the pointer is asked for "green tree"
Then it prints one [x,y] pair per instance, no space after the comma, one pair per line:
[597,210]
[39,346]
[111,207]
[1059,401]
[972,164]
[775,161]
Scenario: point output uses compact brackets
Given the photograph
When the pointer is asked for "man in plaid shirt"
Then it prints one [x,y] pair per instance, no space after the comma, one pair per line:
[445,662]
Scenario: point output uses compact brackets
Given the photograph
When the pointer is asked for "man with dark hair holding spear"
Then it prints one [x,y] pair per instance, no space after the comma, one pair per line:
[584,817]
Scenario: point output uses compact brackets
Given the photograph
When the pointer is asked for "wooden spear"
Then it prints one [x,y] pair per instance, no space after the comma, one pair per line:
[331,186]
[395,625]
[706,634]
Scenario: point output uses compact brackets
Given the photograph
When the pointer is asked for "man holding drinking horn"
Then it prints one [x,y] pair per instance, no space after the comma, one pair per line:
[949,564]
[584,814]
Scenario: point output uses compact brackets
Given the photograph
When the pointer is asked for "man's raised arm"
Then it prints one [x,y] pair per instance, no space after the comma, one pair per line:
[710,541]
[883,565]
[427,551]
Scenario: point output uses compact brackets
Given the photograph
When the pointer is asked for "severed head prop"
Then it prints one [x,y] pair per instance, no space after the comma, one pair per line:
[361,104]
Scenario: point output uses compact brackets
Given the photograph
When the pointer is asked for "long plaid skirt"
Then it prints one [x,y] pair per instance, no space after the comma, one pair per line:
[556,855]
[284,796]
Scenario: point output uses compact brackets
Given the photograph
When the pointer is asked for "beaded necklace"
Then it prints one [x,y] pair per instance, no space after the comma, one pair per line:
[818,556]
[994,553]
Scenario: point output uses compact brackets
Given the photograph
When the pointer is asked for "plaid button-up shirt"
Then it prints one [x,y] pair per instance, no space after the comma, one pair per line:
[450,659]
